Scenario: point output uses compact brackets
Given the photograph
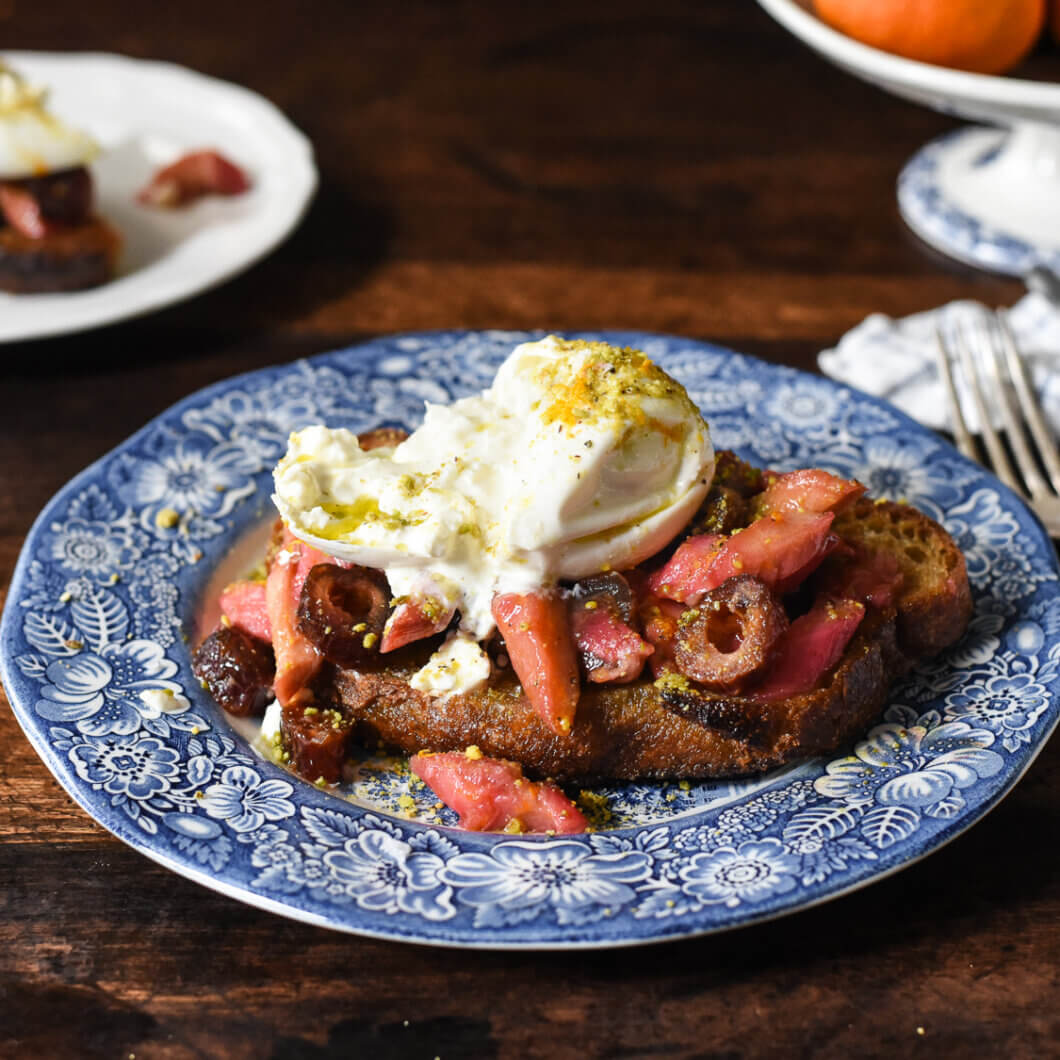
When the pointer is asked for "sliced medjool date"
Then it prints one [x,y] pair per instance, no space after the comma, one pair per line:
[342,612]
[727,639]
[610,590]
[316,740]
[723,511]
[237,669]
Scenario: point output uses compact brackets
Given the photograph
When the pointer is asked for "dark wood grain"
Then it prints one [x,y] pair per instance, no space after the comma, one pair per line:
[670,166]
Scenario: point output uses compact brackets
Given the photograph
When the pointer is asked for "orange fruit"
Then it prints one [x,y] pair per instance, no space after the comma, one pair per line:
[985,36]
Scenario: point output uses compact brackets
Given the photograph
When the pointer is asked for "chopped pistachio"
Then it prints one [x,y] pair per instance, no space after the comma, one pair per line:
[166,518]
[672,682]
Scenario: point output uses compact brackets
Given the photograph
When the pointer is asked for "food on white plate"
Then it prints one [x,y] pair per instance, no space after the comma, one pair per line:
[50,237]
[191,177]
[560,574]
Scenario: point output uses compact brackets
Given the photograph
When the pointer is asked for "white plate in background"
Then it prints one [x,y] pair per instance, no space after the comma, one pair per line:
[145,115]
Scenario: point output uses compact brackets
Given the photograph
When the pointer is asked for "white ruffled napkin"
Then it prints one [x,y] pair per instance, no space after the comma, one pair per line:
[895,359]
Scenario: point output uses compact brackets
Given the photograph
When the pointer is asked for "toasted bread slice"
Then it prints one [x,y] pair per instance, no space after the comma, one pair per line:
[660,730]
[71,259]
[935,603]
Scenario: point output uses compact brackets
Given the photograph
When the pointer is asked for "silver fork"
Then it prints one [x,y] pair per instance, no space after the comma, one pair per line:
[989,360]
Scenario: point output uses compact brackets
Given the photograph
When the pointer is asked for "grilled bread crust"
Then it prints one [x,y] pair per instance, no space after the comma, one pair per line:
[628,732]
[79,256]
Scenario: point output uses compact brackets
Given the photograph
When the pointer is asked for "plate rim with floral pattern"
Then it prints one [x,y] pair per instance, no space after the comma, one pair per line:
[105,595]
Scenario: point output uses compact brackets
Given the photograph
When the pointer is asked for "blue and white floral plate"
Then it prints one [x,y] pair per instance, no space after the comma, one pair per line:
[107,595]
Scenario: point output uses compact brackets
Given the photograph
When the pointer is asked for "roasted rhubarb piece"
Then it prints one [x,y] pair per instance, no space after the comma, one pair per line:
[813,644]
[23,212]
[686,575]
[601,612]
[537,635]
[413,620]
[297,659]
[491,795]
[780,549]
[191,177]
[243,604]
[808,490]
[863,574]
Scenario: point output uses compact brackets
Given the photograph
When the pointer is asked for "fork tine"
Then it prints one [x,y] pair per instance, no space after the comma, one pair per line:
[965,442]
[1032,411]
[998,350]
[1002,466]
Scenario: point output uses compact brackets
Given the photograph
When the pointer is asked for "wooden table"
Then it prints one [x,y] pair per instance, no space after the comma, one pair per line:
[672,166]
